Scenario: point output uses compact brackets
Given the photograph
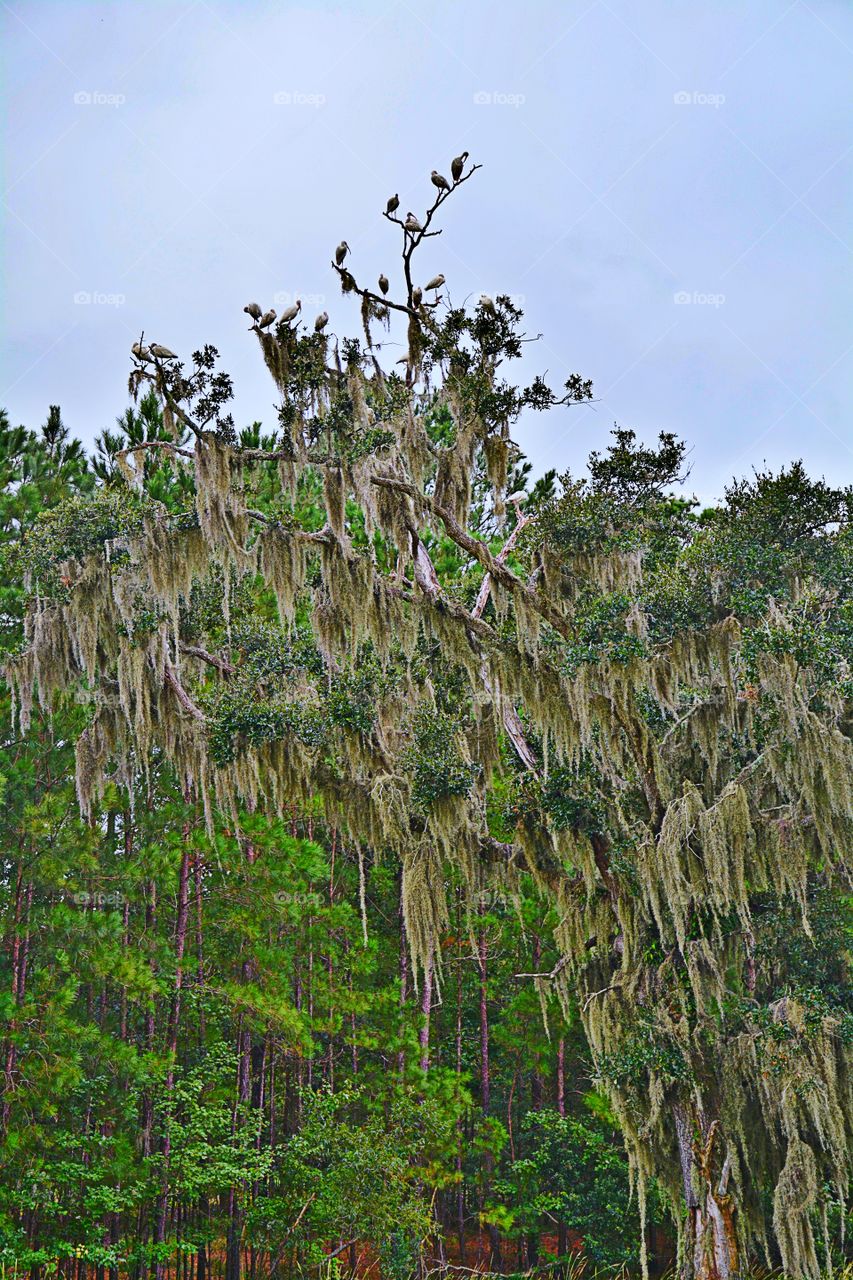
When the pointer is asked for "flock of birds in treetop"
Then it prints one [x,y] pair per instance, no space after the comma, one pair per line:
[413,232]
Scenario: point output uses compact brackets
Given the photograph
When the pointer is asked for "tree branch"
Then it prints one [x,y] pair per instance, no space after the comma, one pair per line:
[499,572]
[180,692]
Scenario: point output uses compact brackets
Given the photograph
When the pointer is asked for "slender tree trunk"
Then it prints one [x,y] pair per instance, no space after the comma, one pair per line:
[234,1235]
[426,1010]
[495,1260]
[536,1095]
[460,1181]
[198,870]
[172,1037]
[404,977]
[147,1117]
[562,1233]
[10,1054]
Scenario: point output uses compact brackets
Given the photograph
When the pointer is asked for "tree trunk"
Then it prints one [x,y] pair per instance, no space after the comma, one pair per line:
[426,1010]
[710,1248]
[10,1054]
[404,978]
[495,1260]
[536,1098]
[562,1233]
[172,1037]
[460,1186]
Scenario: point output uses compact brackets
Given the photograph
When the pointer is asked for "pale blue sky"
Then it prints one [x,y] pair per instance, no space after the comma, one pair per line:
[632,152]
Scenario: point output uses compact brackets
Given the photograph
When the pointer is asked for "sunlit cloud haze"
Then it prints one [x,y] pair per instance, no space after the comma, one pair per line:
[665,185]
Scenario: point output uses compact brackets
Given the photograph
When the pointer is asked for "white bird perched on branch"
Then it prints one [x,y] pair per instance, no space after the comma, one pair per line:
[435,283]
[438,180]
[393,204]
[321,321]
[266,319]
[412,224]
[253,310]
[417,296]
[518,497]
[291,313]
[141,352]
[162,353]
[457,165]
[383,283]
[487,303]
[341,252]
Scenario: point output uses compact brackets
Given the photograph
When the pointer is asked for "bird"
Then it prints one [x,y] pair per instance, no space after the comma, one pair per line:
[321,321]
[141,352]
[417,296]
[341,252]
[457,165]
[412,224]
[439,181]
[383,283]
[162,353]
[487,303]
[266,319]
[291,313]
[517,497]
[393,204]
[253,310]
[435,283]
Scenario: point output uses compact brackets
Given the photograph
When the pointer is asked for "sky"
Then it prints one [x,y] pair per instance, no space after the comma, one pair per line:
[665,191]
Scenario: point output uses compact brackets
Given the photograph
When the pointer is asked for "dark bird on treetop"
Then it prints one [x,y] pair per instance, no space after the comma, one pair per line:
[341,252]
[393,204]
[457,165]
